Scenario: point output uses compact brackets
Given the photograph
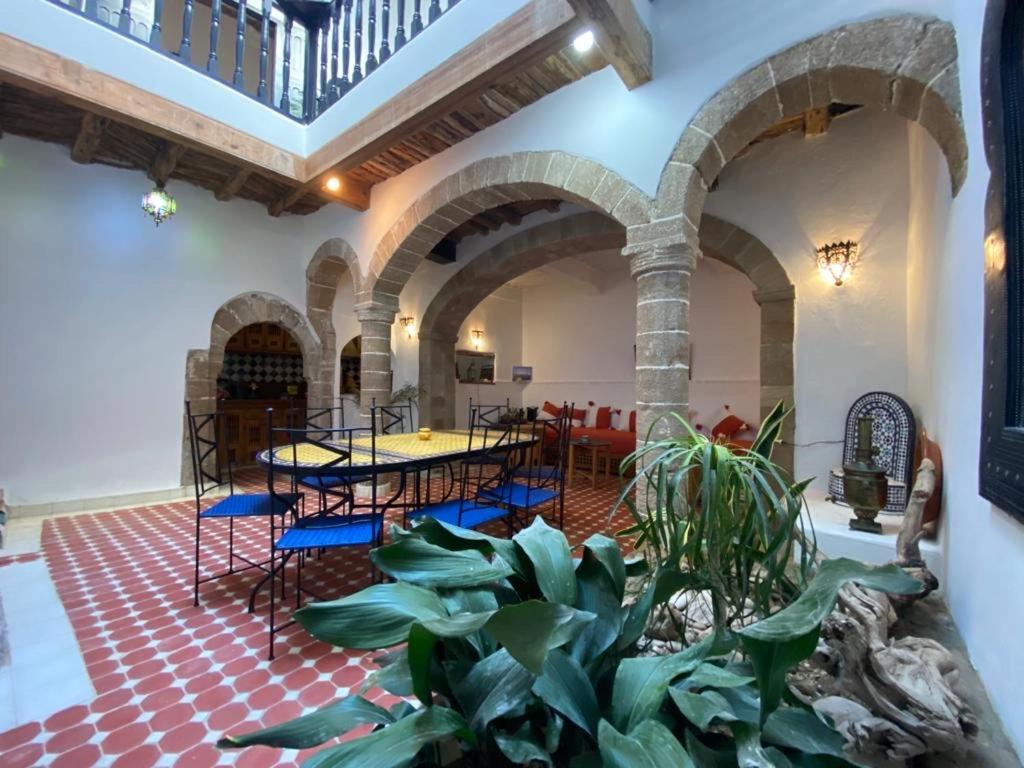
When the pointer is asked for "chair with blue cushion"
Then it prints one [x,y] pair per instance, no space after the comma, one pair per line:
[212,471]
[323,422]
[324,530]
[535,485]
[480,473]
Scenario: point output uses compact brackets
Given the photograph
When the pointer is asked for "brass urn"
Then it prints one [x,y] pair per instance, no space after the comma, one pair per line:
[865,485]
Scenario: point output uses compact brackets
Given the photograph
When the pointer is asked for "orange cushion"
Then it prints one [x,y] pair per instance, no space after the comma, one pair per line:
[603,420]
[632,421]
[551,408]
[729,426]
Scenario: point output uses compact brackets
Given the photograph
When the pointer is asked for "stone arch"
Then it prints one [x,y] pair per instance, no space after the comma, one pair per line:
[333,260]
[488,183]
[905,64]
[202,366]
[776,296]
[514,256]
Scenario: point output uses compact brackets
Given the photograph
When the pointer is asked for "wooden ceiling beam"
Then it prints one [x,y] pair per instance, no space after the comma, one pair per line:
[165,162]
[233,184]
[90,134]
[621,35]
[531,34]
[353,193]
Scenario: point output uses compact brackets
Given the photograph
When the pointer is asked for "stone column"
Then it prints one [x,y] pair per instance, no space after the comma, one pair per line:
[662,273]
[777,331]
[437,380]
[375,373]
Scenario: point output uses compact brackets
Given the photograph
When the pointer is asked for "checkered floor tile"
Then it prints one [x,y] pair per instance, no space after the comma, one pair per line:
[171,678]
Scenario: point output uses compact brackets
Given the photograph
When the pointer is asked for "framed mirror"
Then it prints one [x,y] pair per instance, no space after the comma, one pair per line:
[472,367]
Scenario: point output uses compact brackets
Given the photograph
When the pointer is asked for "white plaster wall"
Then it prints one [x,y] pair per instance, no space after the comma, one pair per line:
[725,341]
[98,308]
[795,194]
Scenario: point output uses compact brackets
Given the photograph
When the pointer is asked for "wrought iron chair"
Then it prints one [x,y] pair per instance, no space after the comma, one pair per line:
[479,476]
[323,422]
[211,470]
[491,414]
[533,486]
[392,419]
[294,452]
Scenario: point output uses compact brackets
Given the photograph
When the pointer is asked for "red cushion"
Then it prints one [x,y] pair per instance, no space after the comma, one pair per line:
[579,414]
[622,443]
[632,421]
[604,418]
[729,426]
[554,410]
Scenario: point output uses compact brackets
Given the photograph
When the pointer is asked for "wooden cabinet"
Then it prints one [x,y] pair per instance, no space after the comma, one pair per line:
[245,426]
[264,337]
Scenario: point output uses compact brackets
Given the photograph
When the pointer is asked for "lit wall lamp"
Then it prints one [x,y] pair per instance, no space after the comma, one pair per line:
[835,260]
[409,323]
[477,338]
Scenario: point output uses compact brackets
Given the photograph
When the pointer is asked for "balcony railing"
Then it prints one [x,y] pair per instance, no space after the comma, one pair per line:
[296,56]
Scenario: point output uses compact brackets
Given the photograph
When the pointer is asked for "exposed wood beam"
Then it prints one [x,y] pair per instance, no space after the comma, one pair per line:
[90,134]
[165,162]
[817,121]
[537,30]
[622,37]
[233,184]
[354,194]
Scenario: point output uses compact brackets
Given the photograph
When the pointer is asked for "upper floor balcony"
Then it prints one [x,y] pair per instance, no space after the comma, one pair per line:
[269,99]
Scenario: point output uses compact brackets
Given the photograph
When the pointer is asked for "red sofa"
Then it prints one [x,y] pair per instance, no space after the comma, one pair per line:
[623,442]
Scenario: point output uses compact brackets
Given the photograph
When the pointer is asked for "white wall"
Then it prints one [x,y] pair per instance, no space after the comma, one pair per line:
[795,194]
[725,340]
[98,308]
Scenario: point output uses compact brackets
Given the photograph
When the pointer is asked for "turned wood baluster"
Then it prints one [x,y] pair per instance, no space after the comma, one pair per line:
[335,91]
[371,56]
[185,52]
[357,61]
[286,74]
[157,29]
[261,89]
[435,11]
[91,8]
[451,3]
[385,17]
[211,62]
[325,37]
[346,46]
[124,21]
[417,19]
[400,27]
[238,80]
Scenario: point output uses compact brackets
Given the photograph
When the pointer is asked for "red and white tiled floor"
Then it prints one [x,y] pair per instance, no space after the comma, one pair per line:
[169,679]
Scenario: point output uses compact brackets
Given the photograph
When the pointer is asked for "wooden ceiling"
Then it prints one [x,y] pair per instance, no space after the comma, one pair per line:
[94,138]
[489,221]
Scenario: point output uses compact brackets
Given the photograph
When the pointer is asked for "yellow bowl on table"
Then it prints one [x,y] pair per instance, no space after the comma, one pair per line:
[424,433]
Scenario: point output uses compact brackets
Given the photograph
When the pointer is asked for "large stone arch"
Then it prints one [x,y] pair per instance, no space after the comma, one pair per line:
[527,250]
[203,366]
[478,187]
[332,261]
[905,64]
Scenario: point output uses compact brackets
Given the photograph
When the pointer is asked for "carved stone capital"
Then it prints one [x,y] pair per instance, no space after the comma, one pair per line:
[665,257]
[373,312]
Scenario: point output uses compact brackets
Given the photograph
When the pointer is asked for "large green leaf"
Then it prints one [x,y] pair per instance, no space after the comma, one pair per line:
[802,729]
[522,747]
[377,617]
[641,683]
[530,629]
[596,593]
[649,745]
[549,554]
[709,675]
[416,561]
[395,745]
[705,757]
[565,687]
[393,676]
[749,752]
[310,730]
[494,687]
[702,708]
[776,644]
[455,538]
[607,552]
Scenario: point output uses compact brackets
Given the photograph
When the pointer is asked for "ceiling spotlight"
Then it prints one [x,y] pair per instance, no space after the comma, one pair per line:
[333,184]
[583,42]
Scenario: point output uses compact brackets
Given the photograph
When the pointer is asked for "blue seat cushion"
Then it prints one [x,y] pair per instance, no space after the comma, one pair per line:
[327,481]
[519,495]
[543,474]
[328,531]
[252,505]
[463,514]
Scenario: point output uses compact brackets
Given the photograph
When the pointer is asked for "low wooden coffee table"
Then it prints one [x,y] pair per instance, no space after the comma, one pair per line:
[596,450]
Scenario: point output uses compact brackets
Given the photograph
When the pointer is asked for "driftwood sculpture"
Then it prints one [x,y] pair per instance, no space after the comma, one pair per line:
[892,699]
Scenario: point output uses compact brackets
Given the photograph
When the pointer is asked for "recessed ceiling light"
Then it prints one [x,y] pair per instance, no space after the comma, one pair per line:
[333,184]
[584,42]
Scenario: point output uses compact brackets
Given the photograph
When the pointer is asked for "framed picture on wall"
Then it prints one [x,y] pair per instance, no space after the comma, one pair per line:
[473,367]
[522,373]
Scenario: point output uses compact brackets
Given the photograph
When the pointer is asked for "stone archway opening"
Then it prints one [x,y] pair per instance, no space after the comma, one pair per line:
[203,366]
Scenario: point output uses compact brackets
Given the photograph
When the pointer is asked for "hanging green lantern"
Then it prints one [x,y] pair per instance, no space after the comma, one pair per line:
[159,205]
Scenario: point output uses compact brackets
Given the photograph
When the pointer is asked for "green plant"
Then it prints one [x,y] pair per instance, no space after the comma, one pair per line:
[522,655]
[408,393]
[728,523]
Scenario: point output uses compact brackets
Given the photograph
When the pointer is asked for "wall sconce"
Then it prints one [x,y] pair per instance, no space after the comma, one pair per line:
[477,336]
[835,260]
[409,323]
